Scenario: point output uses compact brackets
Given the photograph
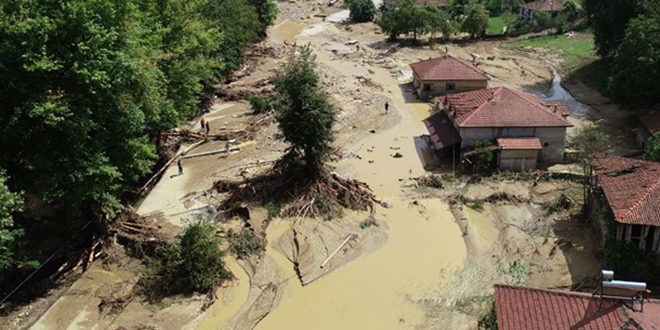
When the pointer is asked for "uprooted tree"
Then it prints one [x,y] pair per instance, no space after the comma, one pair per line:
[301,181]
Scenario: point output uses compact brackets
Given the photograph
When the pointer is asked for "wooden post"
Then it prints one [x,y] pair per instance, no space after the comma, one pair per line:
[337,250]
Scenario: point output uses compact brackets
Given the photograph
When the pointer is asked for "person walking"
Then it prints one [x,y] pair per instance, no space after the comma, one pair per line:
[387,107]
[180,166]
[208,128]
[203,124]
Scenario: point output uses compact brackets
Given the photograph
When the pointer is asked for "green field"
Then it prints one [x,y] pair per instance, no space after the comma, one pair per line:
[495,26]
[575,52]
[578,55]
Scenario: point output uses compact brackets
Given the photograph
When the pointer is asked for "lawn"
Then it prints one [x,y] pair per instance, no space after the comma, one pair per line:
[495,26]
[575,52]
[578,55]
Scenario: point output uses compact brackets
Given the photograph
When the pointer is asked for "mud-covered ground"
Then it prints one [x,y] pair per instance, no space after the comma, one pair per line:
[425,264]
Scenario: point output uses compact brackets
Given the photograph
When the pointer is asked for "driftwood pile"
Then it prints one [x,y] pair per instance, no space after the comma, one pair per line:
[138,236]
[298,195]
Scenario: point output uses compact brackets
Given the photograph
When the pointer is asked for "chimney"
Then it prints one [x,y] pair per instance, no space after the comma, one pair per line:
[492,96]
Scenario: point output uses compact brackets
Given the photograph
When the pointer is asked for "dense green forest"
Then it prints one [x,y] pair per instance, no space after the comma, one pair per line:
[87,85]
[626,36]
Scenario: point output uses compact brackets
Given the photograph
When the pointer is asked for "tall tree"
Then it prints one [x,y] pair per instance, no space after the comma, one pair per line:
[305,115]
[10,203]
[636,65]
[436,20]
[588,141]
[608,19]
[406,17]
[476,21]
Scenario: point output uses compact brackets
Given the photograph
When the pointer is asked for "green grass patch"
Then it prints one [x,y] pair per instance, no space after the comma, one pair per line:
[495,26]
[578,56]
[574,52]
[368,223]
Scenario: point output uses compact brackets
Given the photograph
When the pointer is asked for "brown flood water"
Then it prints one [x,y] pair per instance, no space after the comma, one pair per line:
[379,290]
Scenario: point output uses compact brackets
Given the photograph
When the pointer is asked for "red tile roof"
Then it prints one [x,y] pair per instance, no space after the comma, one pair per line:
[521,308]
[651,121]
[519,143]
[544,5]
[438,3]
[502,107]
[447,68]
[442,131]
[632,189]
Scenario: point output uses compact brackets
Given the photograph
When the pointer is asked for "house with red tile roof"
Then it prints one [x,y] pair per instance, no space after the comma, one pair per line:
[520,308]
[627,192]
[552,7]
[519,123]
[446,74]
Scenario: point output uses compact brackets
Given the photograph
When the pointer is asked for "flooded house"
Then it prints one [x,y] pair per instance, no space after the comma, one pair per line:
[444,75]
[552,7]
[521,127]
[624,201]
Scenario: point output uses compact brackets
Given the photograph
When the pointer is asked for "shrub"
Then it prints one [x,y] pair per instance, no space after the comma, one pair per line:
[368,223]
[193,264]
[361,10]
[245,243]
[260,103]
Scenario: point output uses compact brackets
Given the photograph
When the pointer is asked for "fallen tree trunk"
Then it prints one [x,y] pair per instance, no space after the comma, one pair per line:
[212,152]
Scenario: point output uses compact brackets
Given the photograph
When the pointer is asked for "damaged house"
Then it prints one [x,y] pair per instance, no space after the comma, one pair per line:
[625,198]
[520,126]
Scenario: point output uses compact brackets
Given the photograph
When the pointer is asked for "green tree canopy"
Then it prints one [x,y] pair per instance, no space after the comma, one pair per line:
[361,10]
[608,19]
[476,21]
[10,203]
[405,18]
[437,20]
[636,65]
[305,115]
[193,264]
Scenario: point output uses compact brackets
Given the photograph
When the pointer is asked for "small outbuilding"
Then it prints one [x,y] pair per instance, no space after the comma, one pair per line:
[445,75]
[552,7]
[518,154]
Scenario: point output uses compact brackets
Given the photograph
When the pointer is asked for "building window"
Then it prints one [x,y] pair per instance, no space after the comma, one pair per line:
[427,87]
[546,144]
[450,86]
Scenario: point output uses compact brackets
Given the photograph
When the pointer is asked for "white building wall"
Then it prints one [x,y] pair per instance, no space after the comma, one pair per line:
[552,138]
[517,160]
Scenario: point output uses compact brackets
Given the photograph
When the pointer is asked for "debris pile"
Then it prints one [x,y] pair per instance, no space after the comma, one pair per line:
[298,194]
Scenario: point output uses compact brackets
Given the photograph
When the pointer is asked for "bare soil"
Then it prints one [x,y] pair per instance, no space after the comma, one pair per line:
[427,264]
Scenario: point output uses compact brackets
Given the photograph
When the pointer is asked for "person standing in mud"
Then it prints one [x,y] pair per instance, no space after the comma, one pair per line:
[387,107]
[203,124]
[208,128]
[180,166]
